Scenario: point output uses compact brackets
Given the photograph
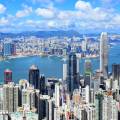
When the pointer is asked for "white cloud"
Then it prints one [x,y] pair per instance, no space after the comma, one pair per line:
[51,24]
[83,17]
[25,12]
[2,8]
[82,5]
[46,13]
[3,21]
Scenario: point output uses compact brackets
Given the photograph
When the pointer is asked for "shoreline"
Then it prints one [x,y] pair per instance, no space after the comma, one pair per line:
[25,56]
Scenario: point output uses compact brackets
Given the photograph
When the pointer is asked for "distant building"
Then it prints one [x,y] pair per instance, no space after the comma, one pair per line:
[9,49]
[13,49]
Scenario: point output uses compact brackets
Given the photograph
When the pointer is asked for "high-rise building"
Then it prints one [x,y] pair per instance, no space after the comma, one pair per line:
[9,49]
[28,97]
[99,106]
[65,69]
[104,54]
[1,98]
[57,95]
[16,97]
[42,86]
[88,66]
[7,76]
[86,94]
[37,100]
[10,97]
[50,109]
[91,112]
[42,109]
[87,72]
[110,111]
[34,76]
[116,73]
[13,49]
[72,76]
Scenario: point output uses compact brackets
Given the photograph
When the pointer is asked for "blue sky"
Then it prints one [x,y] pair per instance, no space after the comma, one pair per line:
[80,15]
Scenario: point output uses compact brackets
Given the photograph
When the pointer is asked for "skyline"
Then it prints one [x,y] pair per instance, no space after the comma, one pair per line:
[83,16]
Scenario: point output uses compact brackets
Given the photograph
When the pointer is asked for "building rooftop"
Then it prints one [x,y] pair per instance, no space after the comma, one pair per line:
[33,67]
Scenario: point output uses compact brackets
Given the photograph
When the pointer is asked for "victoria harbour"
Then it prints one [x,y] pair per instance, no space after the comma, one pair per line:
[50,66]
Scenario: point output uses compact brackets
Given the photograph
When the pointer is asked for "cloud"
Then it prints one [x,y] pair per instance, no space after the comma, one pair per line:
[85,16]
[3,21]
[47,1]
[25,12]
[44,12]
[82,5]
[2,8]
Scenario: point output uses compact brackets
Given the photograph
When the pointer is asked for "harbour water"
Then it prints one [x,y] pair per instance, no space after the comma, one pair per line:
[49,66]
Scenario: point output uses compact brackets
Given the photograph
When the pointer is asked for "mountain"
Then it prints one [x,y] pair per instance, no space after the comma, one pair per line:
[42,34]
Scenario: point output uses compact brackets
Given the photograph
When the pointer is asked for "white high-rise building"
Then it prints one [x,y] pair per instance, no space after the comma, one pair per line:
[104,54]
[57,95]
[110,111]
[10,97]
[28,97]
[65,69]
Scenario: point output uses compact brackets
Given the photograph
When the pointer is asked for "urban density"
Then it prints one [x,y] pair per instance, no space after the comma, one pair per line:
[91,96]
[53,46]
[59,59]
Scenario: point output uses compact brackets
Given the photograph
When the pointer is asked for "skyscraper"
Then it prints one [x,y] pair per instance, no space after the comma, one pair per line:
[104,54]
[42,86]
[72,79]
[109,108]
[9,49]
[99,106]
[10,97]
[7,76]
[34,76]
[64,69]
[116,73]
[13,49]
[57,95]
[87,72]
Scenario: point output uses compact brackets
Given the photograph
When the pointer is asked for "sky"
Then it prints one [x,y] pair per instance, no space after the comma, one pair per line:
[80,15]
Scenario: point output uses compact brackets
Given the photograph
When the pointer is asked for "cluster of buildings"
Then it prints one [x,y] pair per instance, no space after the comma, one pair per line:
[50,46]
[91,96]
[7,48]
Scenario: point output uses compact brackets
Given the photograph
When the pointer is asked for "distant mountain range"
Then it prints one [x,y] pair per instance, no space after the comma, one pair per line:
[44,34]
